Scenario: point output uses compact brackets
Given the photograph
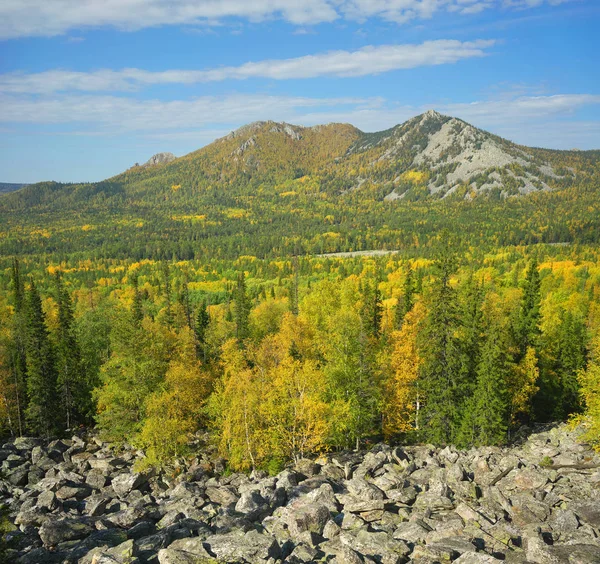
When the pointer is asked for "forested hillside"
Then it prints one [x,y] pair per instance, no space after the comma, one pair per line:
[273,190]
[287,357]
[196,294]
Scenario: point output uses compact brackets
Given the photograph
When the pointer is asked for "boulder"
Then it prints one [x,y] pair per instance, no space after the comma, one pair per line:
[253,506]
[55,531]
[252,547]
[125,483]
[311,517]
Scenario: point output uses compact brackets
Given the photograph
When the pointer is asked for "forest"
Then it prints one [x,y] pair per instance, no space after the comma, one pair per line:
[206,299]
[273,359]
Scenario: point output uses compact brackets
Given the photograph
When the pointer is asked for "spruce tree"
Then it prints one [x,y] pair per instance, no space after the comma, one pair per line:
[137,311]
[294,289]
[184,300]
[442,369]
[527,329]
[242,308]
[473,329]
[167,293]
[372,309]
[73,388]
[570,360]
[202,323]
[486,422]
[18,348]
[42,411]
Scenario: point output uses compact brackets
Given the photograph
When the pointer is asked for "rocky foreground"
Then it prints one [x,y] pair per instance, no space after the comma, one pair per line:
[78,501]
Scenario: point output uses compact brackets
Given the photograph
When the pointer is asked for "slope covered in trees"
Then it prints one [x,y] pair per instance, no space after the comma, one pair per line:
[283,358]
[199,294]
[272,190]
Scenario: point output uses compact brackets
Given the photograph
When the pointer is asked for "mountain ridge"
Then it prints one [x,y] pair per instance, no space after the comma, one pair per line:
[429,155]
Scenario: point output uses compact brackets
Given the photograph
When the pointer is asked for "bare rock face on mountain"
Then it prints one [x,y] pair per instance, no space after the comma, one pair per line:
[455,156]
[160,158]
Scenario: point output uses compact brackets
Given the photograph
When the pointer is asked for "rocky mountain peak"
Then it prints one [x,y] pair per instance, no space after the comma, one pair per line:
[160,158]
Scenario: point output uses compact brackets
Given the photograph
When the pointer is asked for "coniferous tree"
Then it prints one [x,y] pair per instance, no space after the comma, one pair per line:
[442,369]
[200,329]
[137,311]
[486,420]
[528,323]
[18,348]
[372,309]
[473,329]
[570,360]
[242,308]
[167,292]
[294,289]
[42,411]
[72,385]
[184,300]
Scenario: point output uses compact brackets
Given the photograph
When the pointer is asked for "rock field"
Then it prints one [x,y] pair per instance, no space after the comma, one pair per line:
[78,500]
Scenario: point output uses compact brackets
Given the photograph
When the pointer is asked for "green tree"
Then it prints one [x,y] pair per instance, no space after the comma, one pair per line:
[294,288]
[200,330]
[242,307]
[17,347]
[137,307]
[527,329]
[351,378]
[139,361]
[372,309]
[486,420]
[442,371]
[42,411]
[72,384]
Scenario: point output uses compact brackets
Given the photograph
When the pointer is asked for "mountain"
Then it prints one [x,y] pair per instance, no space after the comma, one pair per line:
[273,188]
[6,187]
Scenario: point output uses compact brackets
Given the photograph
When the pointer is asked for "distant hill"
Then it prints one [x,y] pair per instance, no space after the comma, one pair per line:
[6,187]
[273,188]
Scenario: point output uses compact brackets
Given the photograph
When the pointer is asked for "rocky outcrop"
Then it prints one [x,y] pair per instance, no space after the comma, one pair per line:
[78,500]
[160,158]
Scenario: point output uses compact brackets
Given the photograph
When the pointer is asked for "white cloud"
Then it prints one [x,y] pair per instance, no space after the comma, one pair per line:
[506,110]
[113,114]
[547,121]
[369,60]
[23,18]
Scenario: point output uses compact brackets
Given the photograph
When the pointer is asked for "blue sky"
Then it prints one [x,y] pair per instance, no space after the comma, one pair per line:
[89,87]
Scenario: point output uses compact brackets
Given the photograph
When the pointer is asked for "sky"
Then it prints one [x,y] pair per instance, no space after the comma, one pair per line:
[90,87]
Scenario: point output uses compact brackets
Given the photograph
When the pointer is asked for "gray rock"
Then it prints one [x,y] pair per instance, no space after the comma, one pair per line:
[238,547]
[224,496]
[587,511]
[311,517]
[124,553]
[95,479]
[124,483]
[253,506]
[185,551]
[377,544]
[55,531]
[47,500]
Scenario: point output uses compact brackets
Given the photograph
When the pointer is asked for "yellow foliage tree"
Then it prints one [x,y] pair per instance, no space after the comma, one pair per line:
[235,407]
[295,411]
[523,385]
[403,399]
[175,412]
[589,381]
